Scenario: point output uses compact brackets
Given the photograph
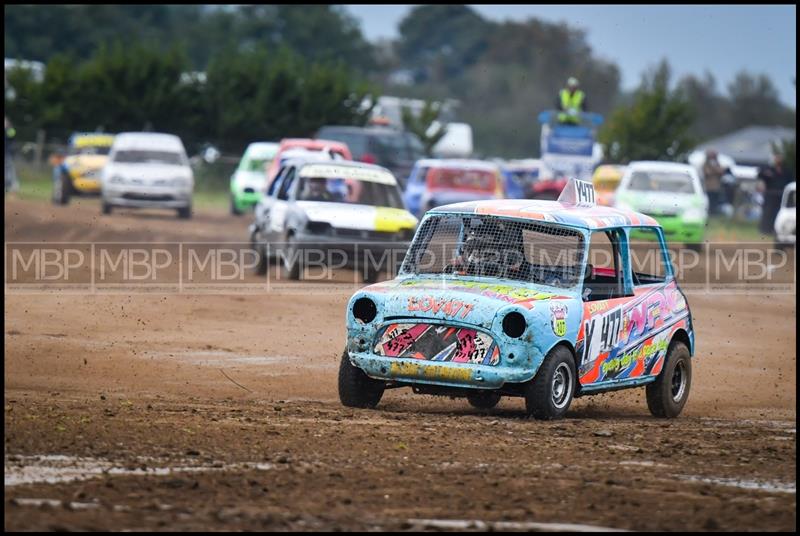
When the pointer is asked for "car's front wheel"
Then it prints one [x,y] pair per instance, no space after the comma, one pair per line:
[356,389]
[106,207]
[549,394]
[667,395]
[235,209]
[291,264]
[185,213]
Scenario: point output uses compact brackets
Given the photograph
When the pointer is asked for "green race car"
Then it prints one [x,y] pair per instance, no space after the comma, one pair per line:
[248,182]
[672,194]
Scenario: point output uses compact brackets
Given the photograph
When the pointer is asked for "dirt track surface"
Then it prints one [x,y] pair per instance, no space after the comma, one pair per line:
[188,411]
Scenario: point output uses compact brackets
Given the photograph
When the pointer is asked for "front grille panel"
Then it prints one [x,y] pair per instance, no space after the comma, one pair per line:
[434,342]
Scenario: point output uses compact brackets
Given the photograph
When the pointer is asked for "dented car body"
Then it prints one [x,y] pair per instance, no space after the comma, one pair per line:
[498,298]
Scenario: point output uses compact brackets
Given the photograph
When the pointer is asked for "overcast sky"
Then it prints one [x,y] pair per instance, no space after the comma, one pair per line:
[722,39]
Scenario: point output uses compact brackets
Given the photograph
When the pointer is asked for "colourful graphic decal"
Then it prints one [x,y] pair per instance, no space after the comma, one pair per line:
[510,293]
[614,341]
[430,304]
[438,343]
[558,319]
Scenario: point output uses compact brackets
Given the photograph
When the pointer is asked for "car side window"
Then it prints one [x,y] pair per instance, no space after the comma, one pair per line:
[648,264]
[604,276]
[286,185]
[273,187]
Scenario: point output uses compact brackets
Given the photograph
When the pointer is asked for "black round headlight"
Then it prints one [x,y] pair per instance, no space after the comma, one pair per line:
[514,324]
[365,310]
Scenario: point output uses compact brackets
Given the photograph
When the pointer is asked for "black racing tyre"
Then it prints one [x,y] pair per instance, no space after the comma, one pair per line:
[235,211]
[483,399]
[262,262]
[292,265]
[356,389]
[549,394]
[62,189]
[185,213]
[667,395]
[697,247]
[106,207]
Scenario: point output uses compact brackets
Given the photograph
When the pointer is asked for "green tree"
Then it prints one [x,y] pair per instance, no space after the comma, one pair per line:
[787,149]
[421,124]
[655,126]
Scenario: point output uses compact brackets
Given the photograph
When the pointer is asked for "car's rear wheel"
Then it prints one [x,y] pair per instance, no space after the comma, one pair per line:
[484,399]
[106,207]
[667,395]
[356,389]
[262,262]
[549,394]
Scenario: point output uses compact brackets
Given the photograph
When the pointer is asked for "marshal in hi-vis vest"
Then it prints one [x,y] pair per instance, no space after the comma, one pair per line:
[570,101]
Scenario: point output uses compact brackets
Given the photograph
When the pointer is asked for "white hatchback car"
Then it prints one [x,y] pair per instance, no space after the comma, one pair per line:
[786,220]
[148,170]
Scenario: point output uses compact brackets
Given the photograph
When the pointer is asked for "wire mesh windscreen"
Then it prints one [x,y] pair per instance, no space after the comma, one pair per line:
[489,246]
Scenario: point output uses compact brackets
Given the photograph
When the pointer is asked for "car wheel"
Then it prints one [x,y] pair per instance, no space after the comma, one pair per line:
[483,399]
[234,209]
[667,395]
[549,394]
[106,207]
[262,262]
[292,266]
[185,213]
[356,389]
[61,190]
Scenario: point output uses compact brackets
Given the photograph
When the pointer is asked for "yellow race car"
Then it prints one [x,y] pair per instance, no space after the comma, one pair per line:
[79,172]
[606,178]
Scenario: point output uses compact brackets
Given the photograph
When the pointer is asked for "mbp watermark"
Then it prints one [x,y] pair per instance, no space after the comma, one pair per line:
[234,267]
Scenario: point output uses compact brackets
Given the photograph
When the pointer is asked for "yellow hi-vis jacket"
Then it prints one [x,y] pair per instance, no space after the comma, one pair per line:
[570,101]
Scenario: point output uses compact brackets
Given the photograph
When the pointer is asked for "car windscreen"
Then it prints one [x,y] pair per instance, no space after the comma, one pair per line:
[668,182]
[257,164]
[90,150]
[139,156]
[790,199]
[502,248]
[462,179]
[349,190]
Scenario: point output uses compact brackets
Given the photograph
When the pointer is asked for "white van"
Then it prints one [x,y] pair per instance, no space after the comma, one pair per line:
[148,170]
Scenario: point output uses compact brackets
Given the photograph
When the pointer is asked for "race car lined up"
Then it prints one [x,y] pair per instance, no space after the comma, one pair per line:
[542,300]
[786,220]
[249,181]
[79,172]
[435,182]
[334,148]
[669,192]
[148,170]
[319,207]
[606,179]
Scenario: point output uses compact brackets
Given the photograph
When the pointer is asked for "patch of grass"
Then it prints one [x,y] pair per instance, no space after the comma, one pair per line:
[36,184]
[722,229]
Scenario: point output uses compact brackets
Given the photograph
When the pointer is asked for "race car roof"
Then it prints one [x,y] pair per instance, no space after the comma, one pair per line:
[351,170]
[591,218]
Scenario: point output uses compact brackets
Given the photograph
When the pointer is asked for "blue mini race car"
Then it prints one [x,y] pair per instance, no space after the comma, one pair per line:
[544,300]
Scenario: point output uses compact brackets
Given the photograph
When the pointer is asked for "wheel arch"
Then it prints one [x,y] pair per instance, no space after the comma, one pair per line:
[681,335]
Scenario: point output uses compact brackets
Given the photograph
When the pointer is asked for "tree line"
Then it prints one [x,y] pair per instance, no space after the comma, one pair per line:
[280,70]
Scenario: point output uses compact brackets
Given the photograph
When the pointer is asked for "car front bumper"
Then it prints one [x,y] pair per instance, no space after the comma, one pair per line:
[677,230]
[147,197]
[243,199]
